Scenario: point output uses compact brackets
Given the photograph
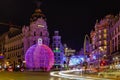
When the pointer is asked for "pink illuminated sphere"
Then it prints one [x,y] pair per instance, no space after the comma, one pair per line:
[39,57]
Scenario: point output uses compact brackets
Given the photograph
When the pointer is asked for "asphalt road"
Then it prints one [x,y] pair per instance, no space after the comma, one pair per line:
[28,76]
[41,76]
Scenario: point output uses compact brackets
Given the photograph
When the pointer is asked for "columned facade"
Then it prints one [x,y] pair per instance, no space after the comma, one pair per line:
[13,47]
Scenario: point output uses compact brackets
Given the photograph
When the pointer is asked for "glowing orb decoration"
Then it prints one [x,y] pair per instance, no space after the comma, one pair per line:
[39,57]
[75,60]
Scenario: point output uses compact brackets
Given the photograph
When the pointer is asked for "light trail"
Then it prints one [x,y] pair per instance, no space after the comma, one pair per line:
[64,74]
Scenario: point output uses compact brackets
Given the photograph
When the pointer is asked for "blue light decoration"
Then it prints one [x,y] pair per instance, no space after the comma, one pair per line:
[94,57]
[64,58]
[75,60]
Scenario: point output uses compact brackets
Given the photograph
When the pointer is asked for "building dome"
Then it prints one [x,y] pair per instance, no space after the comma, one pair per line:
[39,57]
[37,14]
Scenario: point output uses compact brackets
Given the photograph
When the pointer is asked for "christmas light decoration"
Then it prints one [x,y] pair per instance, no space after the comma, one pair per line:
[39,57]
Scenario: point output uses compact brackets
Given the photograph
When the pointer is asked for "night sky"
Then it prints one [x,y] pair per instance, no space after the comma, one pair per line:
[73,18]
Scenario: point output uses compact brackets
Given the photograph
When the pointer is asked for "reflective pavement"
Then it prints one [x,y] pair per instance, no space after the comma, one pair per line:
[41,76]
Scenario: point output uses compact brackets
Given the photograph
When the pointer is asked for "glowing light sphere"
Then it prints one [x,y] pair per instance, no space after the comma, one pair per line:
[39,57]
[75,60]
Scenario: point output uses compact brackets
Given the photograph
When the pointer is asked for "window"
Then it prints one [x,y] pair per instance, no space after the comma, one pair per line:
[40,33]
[99,31]
[34,33]
[105,42]
[99,42]
[105,36]
[105,30]
[105,47]
[99,36]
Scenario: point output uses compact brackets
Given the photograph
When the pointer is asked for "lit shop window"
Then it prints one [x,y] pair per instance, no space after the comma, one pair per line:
[105,31]
[105,42]
[99,31]
[99,42]
[105,47]
[105,35]
[99,36]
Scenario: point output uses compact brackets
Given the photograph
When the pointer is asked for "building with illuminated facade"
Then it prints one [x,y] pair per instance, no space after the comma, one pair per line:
[100,39]
[68,53]
[13,47]
[15,42]
[106,39]
[115,40]
[36,29]
[58,50]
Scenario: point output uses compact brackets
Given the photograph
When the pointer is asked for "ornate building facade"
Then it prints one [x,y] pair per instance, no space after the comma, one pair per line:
[37,29]
[115,40]
[15,42]
[13,47]
[100,39]
[106,40]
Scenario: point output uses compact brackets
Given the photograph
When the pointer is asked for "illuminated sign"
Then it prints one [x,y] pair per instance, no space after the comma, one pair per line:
[40,25]
[70,51]
[56,50]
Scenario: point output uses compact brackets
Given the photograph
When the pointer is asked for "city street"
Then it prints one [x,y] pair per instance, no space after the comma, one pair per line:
[27,76]
[44,76]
